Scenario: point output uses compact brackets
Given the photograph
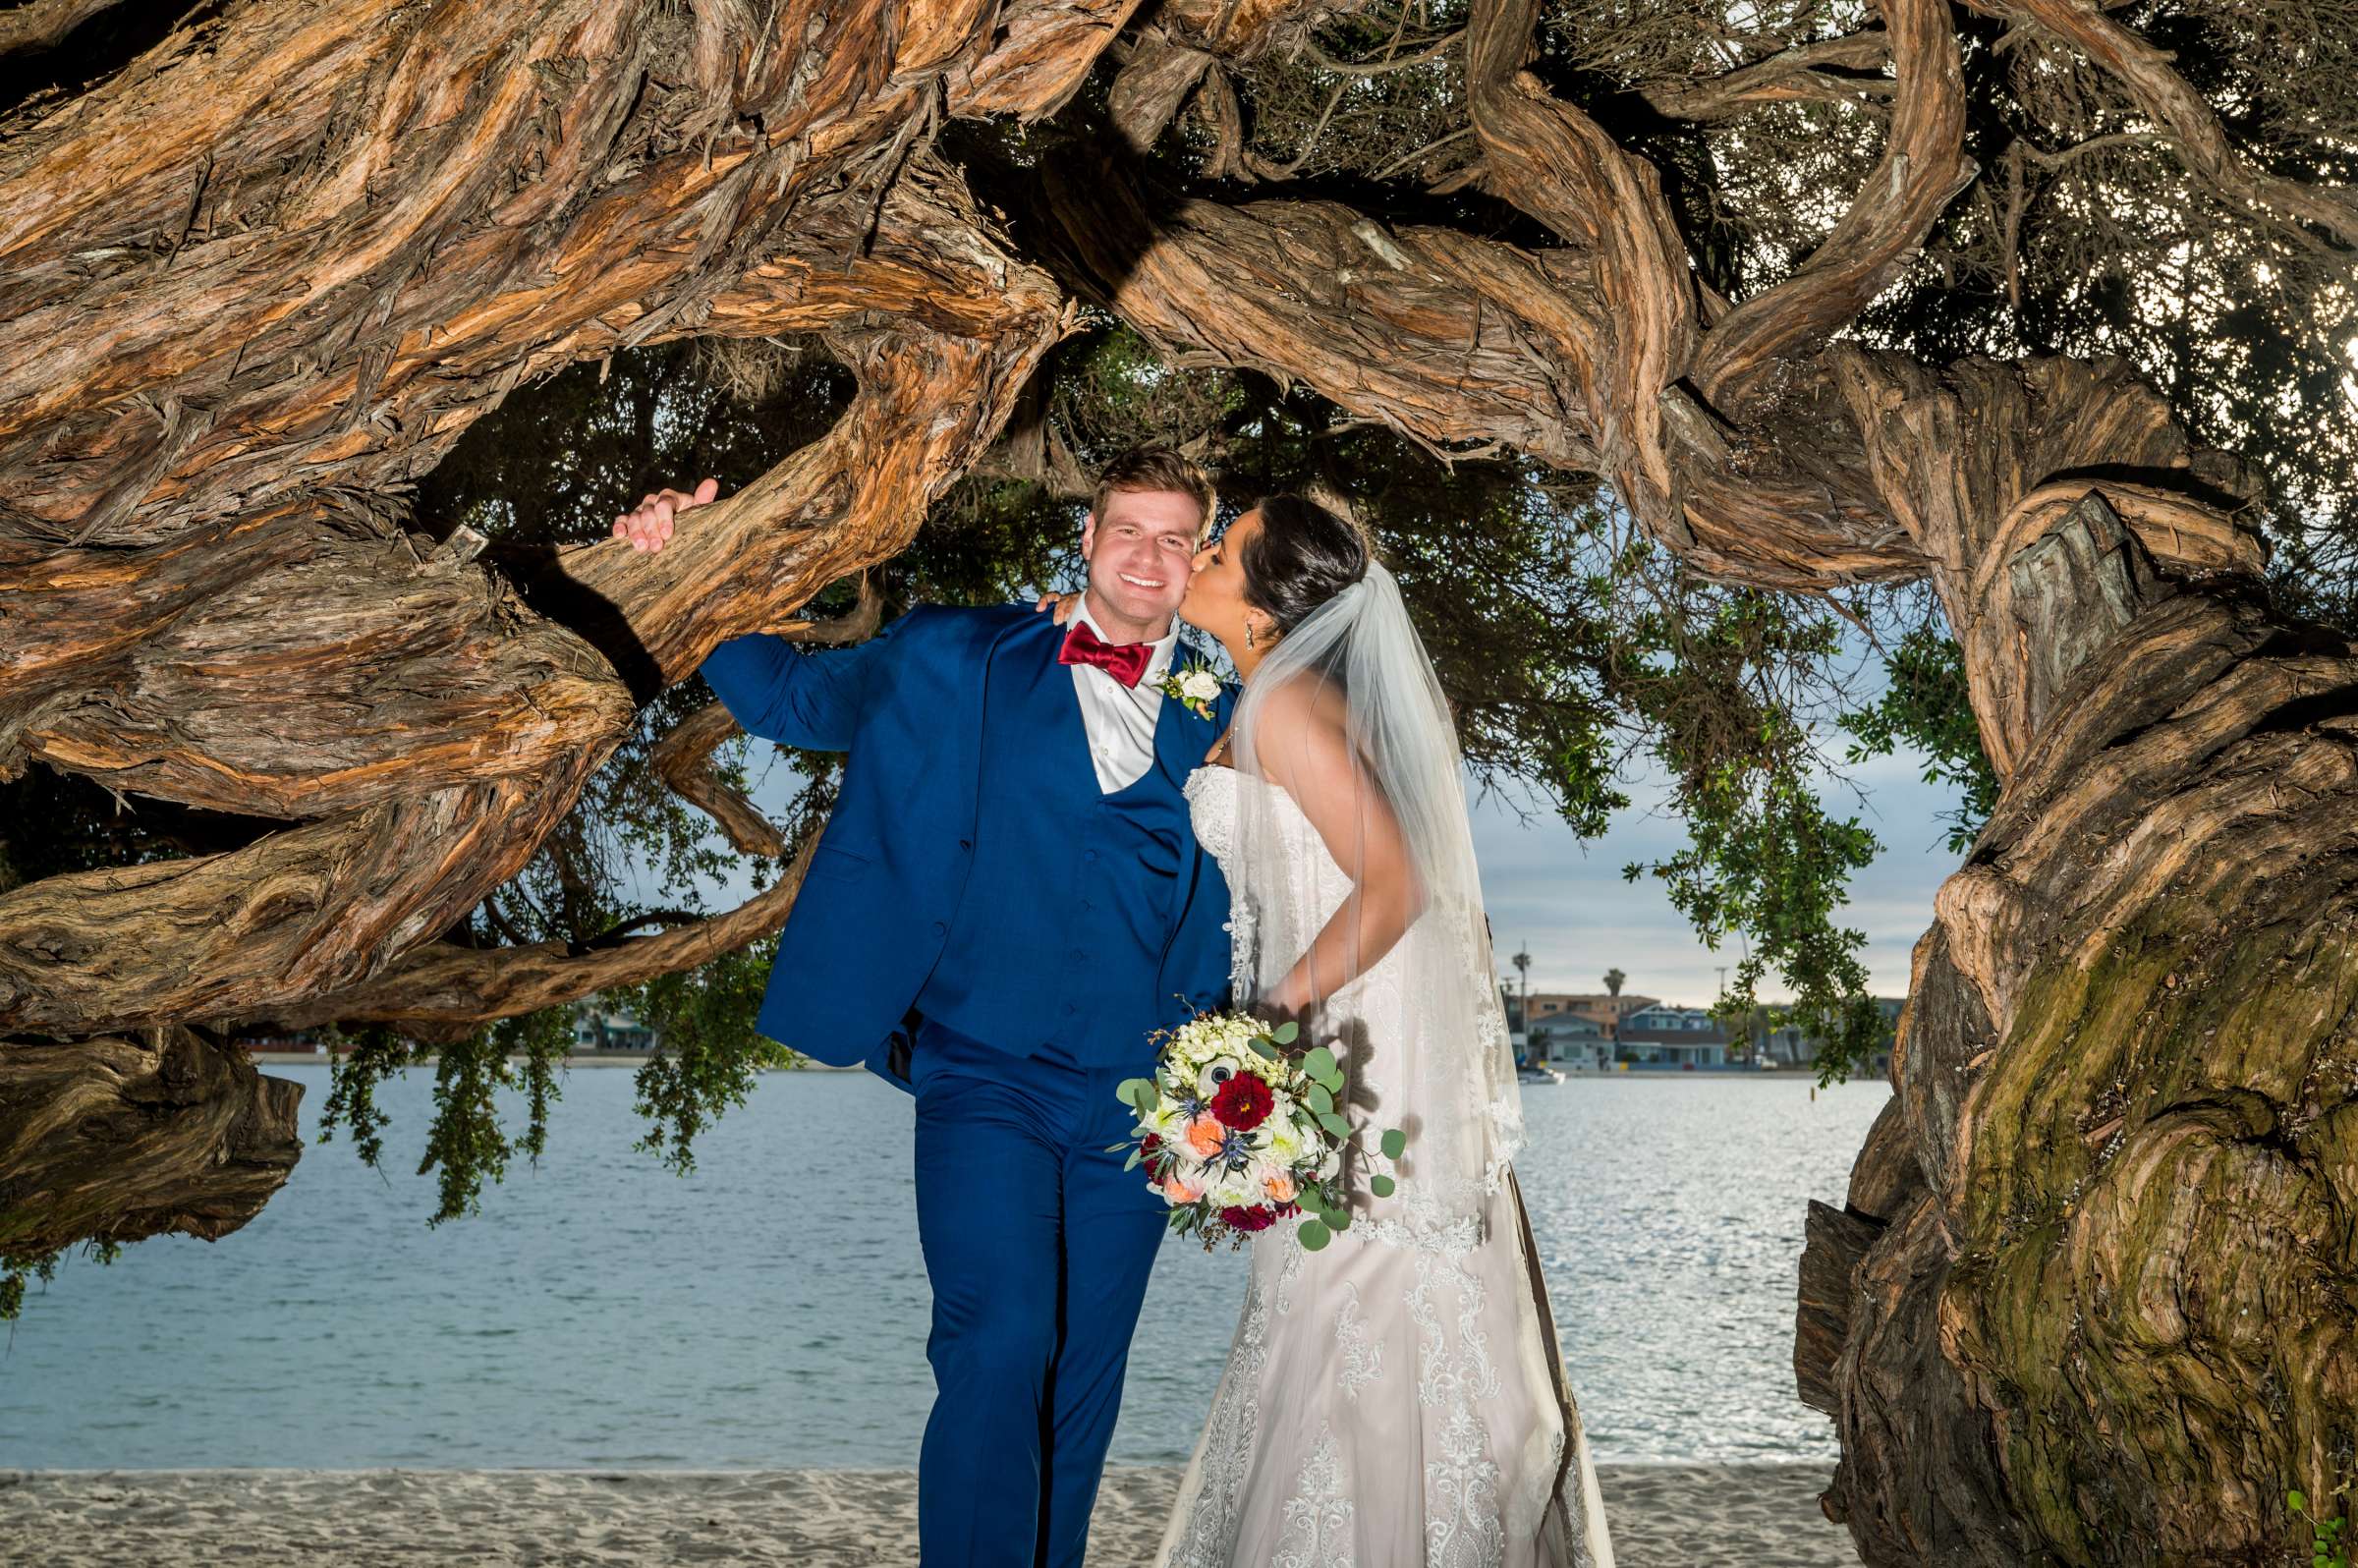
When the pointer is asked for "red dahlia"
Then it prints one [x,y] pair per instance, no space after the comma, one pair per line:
[1244,1103]
[1257,1217]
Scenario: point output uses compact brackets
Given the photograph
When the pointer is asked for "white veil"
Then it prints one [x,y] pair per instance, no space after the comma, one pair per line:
[1424,1035]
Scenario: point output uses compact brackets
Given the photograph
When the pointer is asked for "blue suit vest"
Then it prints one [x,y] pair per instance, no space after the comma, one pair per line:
[1058,944]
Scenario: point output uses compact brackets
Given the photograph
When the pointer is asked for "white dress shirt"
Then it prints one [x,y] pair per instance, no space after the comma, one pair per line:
[1120,719]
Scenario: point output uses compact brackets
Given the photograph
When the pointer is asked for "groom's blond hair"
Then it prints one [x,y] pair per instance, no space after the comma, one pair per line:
[1154,467]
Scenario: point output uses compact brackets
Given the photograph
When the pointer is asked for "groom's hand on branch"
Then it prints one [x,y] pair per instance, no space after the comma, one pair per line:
[649,524]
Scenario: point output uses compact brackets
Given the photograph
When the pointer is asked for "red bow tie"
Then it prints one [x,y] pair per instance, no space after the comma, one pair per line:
[1124,661]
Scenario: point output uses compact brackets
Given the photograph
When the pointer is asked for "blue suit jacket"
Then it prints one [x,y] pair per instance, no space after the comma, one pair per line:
[908,708]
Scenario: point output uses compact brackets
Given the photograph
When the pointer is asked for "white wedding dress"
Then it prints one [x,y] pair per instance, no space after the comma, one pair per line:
[1396,1398]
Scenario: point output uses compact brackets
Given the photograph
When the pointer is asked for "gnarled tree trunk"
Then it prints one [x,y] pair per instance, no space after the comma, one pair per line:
[277,266]
[2091,1298]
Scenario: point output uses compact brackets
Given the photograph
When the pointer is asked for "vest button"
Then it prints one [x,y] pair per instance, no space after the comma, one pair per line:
[1070,1009]
[1090,856]
[940,930]
[966,846]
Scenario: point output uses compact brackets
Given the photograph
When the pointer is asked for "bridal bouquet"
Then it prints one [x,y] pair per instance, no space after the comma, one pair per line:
[1239,1128]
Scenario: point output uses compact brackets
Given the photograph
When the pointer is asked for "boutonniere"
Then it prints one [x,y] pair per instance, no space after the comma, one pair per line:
[1196,686]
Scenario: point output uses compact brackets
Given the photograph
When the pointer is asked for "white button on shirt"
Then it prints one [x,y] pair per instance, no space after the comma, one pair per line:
[1120,719]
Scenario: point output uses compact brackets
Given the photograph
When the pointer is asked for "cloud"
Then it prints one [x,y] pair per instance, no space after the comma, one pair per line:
[1566,903]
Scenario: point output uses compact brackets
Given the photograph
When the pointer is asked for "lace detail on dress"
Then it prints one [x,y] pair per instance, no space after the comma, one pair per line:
[1213,811]
[1318,1522]
[1226,1454]
[1362,1354]
[1465,1530]
[1463,1527]
[1386,1403]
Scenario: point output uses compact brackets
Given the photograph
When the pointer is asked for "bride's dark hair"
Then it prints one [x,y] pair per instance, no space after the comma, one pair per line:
[1303,556]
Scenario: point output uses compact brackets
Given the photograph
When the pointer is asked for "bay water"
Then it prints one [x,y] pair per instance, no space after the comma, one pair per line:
[768,1311]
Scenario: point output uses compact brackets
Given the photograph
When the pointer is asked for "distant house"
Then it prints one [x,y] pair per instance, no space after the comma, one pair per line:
[1666,1035]
[1570,1039]
[1796,1047]
[596,1028]
[1601,1008]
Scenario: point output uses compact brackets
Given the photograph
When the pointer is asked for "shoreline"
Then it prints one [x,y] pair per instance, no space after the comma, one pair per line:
[1763,1515]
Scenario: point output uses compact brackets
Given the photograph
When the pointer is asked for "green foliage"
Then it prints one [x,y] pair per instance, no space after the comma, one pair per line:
[1764,855]
[19,1269]
[468,1142]
[373,1054]
[710,1051]
[2327,1546]
[1926,706]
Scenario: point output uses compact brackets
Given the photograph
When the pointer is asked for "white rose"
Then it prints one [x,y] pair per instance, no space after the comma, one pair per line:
[1239,1191]
[1202,686]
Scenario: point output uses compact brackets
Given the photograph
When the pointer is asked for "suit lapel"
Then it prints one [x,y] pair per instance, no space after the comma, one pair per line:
[987,651]
[1180,738]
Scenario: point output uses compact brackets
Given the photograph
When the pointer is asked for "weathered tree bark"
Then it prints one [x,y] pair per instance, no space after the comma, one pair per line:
[223,351]
[111,1139]
[2091,1297]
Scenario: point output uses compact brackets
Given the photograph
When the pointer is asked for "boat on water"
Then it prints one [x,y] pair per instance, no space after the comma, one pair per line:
[1537,1073]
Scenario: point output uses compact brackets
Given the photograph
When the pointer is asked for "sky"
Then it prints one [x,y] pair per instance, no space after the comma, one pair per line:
[1565,902]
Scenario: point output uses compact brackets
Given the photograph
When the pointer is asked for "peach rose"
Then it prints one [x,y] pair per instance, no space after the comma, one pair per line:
[1280,1189]
[1204,1135]
[1175,1187]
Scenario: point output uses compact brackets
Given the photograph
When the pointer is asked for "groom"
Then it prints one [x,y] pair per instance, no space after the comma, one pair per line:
[1006,902]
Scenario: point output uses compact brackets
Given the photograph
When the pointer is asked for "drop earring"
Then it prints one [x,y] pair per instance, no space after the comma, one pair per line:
[1247,633]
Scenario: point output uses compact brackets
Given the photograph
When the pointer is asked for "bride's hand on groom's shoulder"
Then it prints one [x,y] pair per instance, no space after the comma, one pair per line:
[1061,603]
[649,524]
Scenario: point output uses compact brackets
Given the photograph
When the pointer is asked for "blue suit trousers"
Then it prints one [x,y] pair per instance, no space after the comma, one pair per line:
[1038,1245]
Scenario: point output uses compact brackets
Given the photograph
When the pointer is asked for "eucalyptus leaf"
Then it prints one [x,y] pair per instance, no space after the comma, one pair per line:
[1336,1125]
[1395,1144]
[1320,1063]
[1320,1100]
[1314,1236]
[1286,1034]
[1381,1186]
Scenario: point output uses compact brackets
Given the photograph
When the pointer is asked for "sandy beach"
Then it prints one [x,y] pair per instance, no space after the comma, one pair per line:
[1762,1516]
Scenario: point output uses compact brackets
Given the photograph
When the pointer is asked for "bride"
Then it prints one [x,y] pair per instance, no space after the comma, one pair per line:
[1398,1396]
